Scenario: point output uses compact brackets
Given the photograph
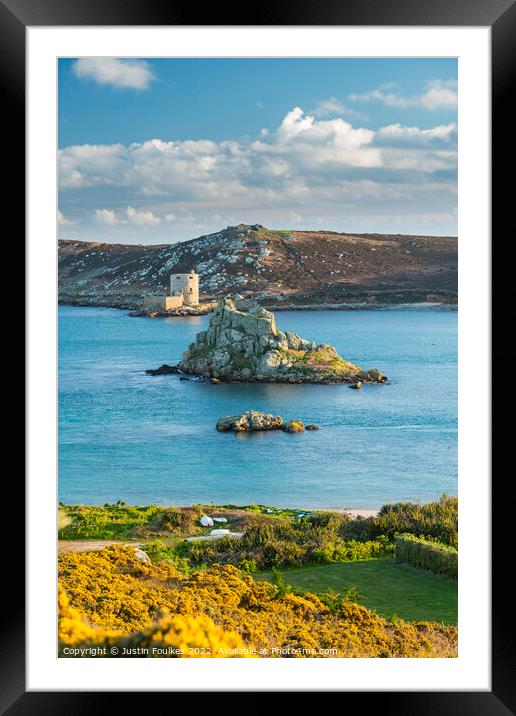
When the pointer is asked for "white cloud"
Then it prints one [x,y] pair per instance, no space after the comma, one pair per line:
[125,74]
[419,150]
[397,135]
[134,216]
[438,94]
[206,169]
[306,165]
[294,123]
[105,216]
[325,143]
[89,165]
[141,217]
[333,106]
[302,154]
[61,219]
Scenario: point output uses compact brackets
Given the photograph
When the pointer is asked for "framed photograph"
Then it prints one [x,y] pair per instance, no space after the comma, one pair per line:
[258,376]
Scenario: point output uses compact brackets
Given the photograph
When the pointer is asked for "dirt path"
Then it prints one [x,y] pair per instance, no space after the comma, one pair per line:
[68,545]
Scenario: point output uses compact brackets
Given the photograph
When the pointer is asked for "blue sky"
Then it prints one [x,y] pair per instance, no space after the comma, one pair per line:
[161,150]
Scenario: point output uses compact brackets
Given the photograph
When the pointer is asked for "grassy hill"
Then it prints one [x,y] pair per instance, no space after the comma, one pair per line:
[388,587]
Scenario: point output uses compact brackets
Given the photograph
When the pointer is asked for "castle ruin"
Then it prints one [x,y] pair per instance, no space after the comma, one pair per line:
[184,291]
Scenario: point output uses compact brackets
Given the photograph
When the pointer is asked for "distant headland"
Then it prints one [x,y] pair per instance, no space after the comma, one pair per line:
[310,270]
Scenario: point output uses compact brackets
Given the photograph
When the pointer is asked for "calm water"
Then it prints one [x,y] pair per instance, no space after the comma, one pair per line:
[152,439]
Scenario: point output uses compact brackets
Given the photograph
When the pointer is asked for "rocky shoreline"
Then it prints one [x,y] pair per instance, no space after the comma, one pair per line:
[364,306]
[200,310]
[135,310]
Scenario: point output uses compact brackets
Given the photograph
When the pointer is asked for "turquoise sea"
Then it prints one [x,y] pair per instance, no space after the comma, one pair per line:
[152,439]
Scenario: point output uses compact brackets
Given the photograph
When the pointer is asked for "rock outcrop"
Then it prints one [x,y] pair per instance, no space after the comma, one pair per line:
[294,426]
[247,346]
[200,310]
[250,421]
[254,421]
[164,369]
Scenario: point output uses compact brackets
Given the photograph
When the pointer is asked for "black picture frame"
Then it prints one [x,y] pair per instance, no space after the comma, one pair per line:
[500,16]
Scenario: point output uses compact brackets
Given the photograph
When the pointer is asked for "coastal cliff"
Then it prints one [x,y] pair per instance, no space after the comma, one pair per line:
[247,346]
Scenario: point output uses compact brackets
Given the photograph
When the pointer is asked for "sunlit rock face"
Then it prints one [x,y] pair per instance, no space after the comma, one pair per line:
[247,346]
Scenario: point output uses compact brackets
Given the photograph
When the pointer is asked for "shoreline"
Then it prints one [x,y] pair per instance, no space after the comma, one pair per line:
[362,512]
[311,307]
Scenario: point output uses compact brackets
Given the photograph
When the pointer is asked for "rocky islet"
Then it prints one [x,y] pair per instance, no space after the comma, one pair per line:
[255,421]
[242,345]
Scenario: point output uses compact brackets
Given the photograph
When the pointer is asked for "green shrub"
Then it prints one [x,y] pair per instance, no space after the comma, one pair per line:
[180,520]
[335,600]
[280,583]
[248,566]
[418,552]
[159,552]
[352,550]
[155,550]
[279,544]
[282,553]
[107,522]
[330,520]
[264,533]
[435,520]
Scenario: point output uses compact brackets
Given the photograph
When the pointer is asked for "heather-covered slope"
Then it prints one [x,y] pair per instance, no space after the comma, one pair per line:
[277,268]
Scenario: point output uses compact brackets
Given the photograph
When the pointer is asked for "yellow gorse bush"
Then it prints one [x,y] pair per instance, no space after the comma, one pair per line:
[186,636]
[170,635]
[72,628]
[111,596]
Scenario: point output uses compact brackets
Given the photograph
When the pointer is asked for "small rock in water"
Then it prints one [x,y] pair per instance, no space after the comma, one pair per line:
[183,378]
[250,421]
[294,426]
[215,381]
[356,386]
[374,375]
[253,421]
[163,370]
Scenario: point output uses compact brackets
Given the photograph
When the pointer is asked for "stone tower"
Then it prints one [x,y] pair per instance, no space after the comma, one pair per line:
[186,285]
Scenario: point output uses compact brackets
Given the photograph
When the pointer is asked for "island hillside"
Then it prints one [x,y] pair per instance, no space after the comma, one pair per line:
[280,269]
[247,346]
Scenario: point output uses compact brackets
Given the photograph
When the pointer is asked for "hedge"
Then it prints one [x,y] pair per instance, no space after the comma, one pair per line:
[418,552]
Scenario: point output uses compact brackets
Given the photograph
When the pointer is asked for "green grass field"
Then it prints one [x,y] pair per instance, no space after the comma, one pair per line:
[383,585]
